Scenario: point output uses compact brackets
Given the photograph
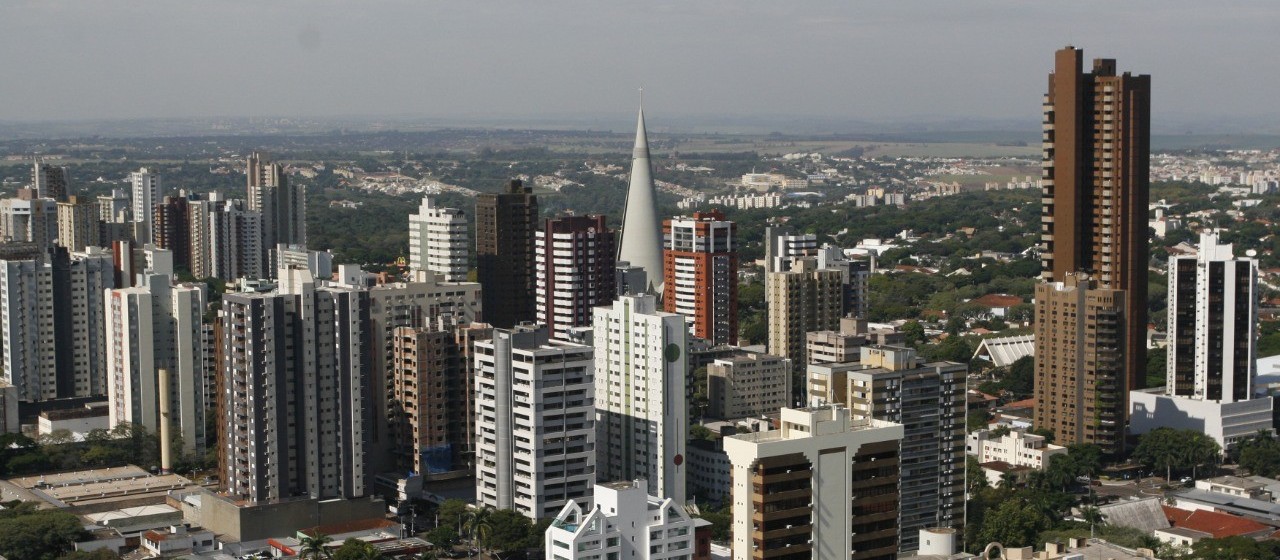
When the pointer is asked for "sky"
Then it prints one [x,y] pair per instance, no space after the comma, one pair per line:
[872,60]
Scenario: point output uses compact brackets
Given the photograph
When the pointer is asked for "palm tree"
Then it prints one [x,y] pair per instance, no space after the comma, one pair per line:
[315,548]
[477,525]
[1008,480]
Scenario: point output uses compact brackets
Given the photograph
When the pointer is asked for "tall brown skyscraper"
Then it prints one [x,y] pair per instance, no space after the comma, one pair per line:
[1095,191]
[506,226]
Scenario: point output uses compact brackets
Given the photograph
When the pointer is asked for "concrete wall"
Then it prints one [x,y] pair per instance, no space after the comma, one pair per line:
[281,519]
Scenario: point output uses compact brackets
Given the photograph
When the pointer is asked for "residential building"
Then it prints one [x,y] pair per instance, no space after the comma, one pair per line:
[822,486]
[845,344]
[171,229]
[1094,184]
[575,271]
[50,181]
[29,219]
[700,263]
[928,400]
[801,299]
[641,415]
[9,423]
[115,207]
[295,391]
[148,191]
[78,224]
[281,203]
[1212,354]
[641,243]
[535,425]
[432,396]
[421,302]
[155,329]
[782,245]
[626,522]
[235,237]
[51,323]
[1080,360]
[748,385]
[200,233]
[506,225]
[438,241]
[1015,448]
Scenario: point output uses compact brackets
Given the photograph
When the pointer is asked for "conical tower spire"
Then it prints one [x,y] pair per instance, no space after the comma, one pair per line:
[641,234]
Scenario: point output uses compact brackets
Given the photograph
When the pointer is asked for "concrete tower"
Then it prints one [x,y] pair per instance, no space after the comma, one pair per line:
[641,232]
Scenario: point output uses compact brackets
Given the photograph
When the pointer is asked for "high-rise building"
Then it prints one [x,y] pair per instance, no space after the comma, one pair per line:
[171,229]
[626,523]
[782,245]
[200,233]
[426,300]
[282,204]
[928,400]
[50,181]
[506,225]
[845,345]
[28,219]
[801,299]
[1080,357]
[641,243]
[296,391]
[821,486]
[535,424]
[148,191]
[438,241]
[115,207]
[700,262]
[78,224]
[1097,137]
[748,385]
[51,323]
[575,271]
[155,329]
[641,415]
[432,396]
[1213,313]
[235,242]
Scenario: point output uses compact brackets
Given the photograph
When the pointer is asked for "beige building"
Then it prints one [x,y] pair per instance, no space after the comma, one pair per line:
[823,486]
[748,385]
[844,345]
[78,223]
[802,299]
[1081,385]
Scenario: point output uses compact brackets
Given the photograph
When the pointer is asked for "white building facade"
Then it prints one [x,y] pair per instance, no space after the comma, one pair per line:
[438,241]
[625,523]
[641,415]
[535,424]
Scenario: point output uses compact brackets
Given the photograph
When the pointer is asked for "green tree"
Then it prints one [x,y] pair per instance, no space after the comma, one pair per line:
[1160,448]
[1014,523]
[698,431]
[442,536]
[452,513]
[315,548]
[354,549]
[913,333]
[28,533]
[1235,548]
[1260,455]
[508,531]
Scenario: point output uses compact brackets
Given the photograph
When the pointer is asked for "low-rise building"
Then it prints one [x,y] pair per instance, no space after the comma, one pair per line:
[177,539]
[1236,486]
[626,523]
[1014,447]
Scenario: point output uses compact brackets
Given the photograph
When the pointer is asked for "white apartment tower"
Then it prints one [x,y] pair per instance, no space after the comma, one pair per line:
[535,423]
[1213,310]
[626,523]
[155,329]
[147,191]
[296,399]
[438,241]
[641,416]
[51,323]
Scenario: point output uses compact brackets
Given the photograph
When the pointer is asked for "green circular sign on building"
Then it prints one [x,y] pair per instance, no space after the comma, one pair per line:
[673,352]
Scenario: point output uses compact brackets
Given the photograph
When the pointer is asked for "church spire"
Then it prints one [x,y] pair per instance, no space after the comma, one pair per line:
[641,234]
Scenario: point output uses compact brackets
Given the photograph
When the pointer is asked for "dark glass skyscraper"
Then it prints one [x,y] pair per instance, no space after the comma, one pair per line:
[506,226]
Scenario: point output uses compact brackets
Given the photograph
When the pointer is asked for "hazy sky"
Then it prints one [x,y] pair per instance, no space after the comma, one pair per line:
[884,59]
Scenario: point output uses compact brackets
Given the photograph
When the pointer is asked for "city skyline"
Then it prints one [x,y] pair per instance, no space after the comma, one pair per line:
[944,60]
